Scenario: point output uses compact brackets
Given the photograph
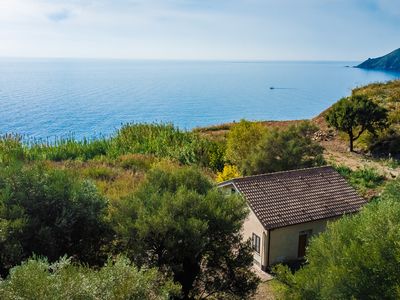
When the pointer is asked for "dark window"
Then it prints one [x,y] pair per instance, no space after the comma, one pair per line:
[303,243]
[255,243]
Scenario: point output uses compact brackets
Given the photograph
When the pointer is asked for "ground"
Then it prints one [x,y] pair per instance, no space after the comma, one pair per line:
[265,291]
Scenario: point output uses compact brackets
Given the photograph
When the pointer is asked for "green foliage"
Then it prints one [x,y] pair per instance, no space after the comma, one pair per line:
[355,115]
[50,213]
[38,279]
[64,149]
[362,179]
[100,172]
[241,141]
[160,140]
[166,141]
[357,257]
[136,162]
[282,150]
[11,149]
[177,221]
[386,95]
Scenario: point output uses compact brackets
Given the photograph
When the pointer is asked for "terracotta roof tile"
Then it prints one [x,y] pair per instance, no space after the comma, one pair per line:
[287,198]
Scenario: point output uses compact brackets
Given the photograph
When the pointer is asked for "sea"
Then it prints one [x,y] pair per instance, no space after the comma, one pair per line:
[82,98]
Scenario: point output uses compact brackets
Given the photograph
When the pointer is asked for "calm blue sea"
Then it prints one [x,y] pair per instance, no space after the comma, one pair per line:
[59,97]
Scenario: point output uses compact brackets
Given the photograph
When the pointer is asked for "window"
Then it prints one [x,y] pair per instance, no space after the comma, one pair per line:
[303,242]
[255,243]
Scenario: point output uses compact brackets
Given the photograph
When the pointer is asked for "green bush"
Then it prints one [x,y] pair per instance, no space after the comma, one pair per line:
[242,141]
[50,213]
[177,221]
[38,279]
[287,149]
[362,179]
[357,257]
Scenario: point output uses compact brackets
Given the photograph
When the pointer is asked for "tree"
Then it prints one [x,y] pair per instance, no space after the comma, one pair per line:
[178,222]
[50,213]
[242,139]
[357,257]
[287,149]
[119,279]
[355,115]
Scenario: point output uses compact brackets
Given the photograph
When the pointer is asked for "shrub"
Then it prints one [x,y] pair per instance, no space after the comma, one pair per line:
[99,172]
[178,222]
[50,213]
[38,279]
[287,149]
[362,179]
[242,140]
[357,257]
[229,172]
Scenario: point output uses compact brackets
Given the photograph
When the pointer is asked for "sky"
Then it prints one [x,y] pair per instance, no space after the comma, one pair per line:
[200,29]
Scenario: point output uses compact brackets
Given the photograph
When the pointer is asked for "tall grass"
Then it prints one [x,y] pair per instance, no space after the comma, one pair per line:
[167,141]
[64,149]
[161,140]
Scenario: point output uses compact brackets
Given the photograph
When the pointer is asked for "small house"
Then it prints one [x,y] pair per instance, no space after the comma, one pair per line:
[287,208]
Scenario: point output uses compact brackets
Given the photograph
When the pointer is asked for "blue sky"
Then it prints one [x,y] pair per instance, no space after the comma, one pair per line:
[200,29]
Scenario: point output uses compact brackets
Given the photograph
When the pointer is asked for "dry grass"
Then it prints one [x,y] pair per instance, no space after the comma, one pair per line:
[268,290]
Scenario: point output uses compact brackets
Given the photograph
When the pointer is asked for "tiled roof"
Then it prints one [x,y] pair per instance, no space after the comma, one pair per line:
[293,197]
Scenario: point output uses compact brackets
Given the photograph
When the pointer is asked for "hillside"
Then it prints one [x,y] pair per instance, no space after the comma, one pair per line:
[385,94]
[389,62]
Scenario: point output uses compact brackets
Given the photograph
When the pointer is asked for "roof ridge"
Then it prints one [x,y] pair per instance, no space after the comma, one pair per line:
[279,172]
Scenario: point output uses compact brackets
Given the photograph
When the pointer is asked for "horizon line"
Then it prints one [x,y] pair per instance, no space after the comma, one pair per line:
[235,60]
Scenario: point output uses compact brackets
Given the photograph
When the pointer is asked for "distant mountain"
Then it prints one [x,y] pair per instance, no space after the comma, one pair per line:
[389,62]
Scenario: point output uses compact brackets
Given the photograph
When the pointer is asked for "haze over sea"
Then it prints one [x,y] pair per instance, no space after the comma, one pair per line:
[43,98]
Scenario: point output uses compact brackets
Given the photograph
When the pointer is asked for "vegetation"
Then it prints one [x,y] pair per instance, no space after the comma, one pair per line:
[355,115]
[363,180]
[229,172]
[168,142]
[387,95]
[160,140]
[357,257]
[389,62]
[38,279]
[241,140]
[146,193]
[176,221]
[287,149]
[50,213]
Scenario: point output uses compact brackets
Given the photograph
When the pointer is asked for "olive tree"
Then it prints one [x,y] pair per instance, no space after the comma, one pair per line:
[178,222]
[355,115]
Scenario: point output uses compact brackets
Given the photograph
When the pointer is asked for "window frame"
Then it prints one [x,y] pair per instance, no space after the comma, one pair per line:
[256,243]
